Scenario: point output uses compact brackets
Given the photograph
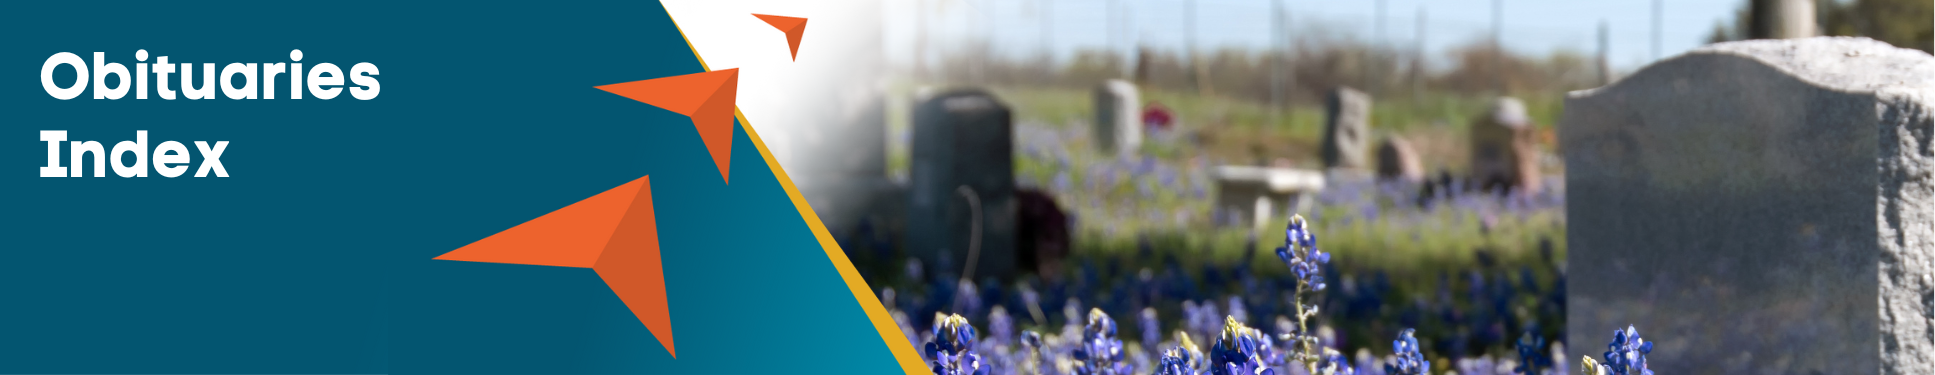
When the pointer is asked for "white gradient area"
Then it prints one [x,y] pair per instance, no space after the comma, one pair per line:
[800,108]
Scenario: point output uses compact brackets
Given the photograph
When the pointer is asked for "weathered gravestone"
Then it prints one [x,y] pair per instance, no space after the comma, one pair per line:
[1347,130]
[963,169]
[1504,151]
[1760,207]
[1118,126]
[1398,161]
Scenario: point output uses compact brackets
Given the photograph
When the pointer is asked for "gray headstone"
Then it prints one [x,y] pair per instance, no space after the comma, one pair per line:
[1346,142]
[1397,160]
[1504,153]
[1760,207]
[1118,121]
[962,138]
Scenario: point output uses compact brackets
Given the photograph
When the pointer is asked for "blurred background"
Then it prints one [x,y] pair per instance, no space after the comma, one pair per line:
[1019,162]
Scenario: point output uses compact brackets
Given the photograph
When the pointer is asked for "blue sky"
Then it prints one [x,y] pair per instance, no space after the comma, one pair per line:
[1529,26]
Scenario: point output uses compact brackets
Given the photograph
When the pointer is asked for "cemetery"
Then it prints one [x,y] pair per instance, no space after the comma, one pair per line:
[1763,205]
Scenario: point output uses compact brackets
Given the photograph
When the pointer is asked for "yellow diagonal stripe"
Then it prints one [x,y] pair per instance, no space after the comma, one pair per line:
[896,340]
[883,322]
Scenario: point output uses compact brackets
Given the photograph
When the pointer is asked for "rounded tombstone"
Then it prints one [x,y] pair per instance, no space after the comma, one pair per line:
[1398,160]
[960,203]
[1118,124]
[1504,151]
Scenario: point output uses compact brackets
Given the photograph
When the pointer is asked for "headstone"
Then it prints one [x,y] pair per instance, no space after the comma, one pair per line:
[1781,19]
[1118,125]
[1504,151]
[1398,161]
[1763,207]
[963,168]
[1255,195]
[1347,130]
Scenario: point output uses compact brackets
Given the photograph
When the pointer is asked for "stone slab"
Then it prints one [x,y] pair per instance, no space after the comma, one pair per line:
[1760,207]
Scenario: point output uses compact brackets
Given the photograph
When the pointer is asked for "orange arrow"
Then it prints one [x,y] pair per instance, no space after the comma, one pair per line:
[708,98]
[612,233]
[794,27]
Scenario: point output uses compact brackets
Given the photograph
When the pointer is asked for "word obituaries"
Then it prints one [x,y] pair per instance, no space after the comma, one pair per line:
[169,158]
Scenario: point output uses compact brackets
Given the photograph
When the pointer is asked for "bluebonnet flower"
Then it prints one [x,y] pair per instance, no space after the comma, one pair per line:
[1151,328]
[1626,355]
[1031,350]
[1174,362]
[966,298]
[1100,353]
[1237,310]
[1368,363]
[1287,330]
[1236,351]
[952,350]
[1001,326]
[913,270]
[1072,313]
[1200,319]
[1531,357]
[1407,360]
[1479,365]
[1299,251]
[1183,359]
[1337,364]
[1587,366]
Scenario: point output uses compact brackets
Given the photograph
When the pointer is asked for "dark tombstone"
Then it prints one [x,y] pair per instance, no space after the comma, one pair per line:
[963,169]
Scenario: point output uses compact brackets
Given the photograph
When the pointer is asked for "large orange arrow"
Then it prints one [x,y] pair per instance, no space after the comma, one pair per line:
[612,233]
[708,98]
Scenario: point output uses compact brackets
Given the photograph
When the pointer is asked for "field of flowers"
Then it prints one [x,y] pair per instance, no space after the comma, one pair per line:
[1295,342]
[1409,275]
[1467,314]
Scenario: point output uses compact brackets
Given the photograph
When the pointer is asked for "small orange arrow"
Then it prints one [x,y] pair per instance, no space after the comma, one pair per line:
[794,27]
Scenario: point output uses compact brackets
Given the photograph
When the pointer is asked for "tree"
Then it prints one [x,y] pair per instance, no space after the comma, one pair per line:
[1903,23]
